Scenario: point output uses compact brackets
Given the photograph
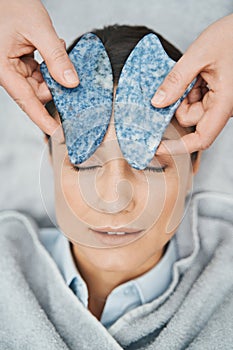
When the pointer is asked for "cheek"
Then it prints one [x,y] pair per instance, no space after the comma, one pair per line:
[158,190]
[168,193]
[68,193]
[71,189]
[177,189]
[72,196]
[68,200]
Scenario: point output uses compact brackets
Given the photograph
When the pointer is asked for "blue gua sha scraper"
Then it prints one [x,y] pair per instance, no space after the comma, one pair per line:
[140,126]
[85,111]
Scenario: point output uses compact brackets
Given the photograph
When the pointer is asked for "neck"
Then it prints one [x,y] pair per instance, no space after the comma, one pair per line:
[101,282]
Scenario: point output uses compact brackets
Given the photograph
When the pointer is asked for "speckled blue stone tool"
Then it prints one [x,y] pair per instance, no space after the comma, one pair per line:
[140,126]
[85,111]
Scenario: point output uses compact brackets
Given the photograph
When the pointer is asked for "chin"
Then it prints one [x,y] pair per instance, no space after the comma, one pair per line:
[111,259]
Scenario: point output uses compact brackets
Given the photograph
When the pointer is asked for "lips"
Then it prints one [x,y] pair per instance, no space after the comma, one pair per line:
[116,230]
[114,236]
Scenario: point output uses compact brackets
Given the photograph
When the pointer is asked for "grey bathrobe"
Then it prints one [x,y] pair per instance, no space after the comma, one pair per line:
[39,312]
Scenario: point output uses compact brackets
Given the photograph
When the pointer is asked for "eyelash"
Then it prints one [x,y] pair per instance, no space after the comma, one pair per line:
[157,170]
[82,169]
[154,170]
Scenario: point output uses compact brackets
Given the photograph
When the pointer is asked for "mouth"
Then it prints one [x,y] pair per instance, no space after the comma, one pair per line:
[115,236]
[116,231]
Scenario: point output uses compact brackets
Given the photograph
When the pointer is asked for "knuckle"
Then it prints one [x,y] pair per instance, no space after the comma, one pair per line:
[205,143]
[59,54]
[174,77]
[21,103]
[185,122]
[182,118]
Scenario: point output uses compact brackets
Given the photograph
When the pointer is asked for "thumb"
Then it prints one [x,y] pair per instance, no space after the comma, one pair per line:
[52,49]
[178,79]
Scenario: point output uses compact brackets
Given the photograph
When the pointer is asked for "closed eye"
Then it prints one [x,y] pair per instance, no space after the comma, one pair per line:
[89,168]
[76,168]
[156,169]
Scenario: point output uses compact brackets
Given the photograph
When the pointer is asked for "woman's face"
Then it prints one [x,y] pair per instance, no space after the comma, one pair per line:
[117,217]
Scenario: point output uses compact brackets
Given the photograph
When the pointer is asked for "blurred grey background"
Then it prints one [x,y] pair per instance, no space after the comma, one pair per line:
[25,174]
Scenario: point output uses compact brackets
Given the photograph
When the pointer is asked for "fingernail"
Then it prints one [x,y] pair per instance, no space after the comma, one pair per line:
[159,97]
[71,76]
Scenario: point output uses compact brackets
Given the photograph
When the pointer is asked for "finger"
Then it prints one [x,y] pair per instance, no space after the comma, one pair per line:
[63,42]
[172,147]
[207,129]
[25,66]
[177,81]
[196,93]
[189,114]
[25,97]
[37,76]
[41,90]
[30,69]
[209,126]
[53,51]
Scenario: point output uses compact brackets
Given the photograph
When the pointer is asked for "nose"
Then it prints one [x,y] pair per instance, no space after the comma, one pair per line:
[115,187]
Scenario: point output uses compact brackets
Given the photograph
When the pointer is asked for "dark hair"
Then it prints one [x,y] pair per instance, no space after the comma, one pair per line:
[119,41]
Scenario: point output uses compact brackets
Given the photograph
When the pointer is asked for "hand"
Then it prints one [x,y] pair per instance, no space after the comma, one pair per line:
[24,27]
[210,104]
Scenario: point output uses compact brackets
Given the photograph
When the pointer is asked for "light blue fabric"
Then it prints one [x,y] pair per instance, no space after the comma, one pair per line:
[39,311]
[126,296]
